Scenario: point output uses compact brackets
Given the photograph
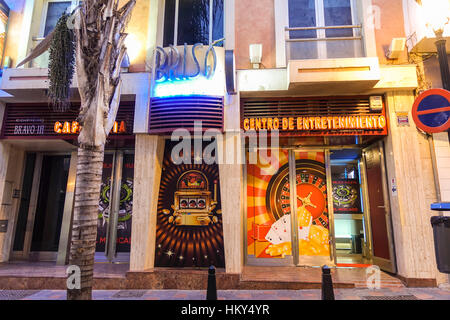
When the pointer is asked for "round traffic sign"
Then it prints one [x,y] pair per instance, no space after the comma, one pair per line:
[431,111]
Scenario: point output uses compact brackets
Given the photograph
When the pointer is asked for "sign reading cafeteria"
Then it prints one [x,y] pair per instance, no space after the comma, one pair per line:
[366,122]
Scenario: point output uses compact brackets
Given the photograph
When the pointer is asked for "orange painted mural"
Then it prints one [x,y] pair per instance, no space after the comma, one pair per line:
[269,210]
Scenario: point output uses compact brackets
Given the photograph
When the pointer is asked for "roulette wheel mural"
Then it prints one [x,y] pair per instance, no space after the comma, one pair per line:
[189,218]
[269,210]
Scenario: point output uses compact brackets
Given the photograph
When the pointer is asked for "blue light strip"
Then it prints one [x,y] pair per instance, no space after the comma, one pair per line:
[197,86]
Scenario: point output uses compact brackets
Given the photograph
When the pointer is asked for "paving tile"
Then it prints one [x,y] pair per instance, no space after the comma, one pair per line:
[340,294]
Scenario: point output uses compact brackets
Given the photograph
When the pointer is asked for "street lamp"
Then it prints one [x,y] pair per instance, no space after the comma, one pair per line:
[437,16]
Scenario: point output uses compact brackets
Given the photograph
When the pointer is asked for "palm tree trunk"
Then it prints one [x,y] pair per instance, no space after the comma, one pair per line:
[84,230]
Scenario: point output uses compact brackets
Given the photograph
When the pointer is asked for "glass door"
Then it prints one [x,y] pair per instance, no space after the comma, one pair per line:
[351,239]
[42,205]
[268,206]
[115,207]
[279,183]
[309,187]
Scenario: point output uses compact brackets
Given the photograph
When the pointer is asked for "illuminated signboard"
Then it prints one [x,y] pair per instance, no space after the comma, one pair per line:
[316,123]
[189,70]
[314,116]
[73,127]
[28,120]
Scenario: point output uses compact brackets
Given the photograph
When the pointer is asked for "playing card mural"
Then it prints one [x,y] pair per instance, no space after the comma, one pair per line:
[269,211]
[189,224]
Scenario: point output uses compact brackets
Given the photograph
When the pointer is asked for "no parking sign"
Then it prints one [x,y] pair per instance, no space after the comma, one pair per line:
[431,111]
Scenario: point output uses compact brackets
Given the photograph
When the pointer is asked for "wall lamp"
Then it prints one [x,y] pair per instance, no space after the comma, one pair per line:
[255,55]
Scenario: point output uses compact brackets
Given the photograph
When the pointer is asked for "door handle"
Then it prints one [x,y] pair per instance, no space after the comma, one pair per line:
[381,207]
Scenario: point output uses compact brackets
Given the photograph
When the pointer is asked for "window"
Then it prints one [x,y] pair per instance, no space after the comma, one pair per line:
[53,10]
[192,21]
[313,17]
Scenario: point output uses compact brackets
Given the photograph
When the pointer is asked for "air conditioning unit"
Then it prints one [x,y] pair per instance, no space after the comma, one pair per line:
[396,48]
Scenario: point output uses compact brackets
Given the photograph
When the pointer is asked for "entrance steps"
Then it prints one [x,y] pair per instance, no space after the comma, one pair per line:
[32,276]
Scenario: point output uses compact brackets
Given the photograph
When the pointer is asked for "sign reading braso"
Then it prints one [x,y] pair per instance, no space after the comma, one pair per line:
[189,70]
[366,122]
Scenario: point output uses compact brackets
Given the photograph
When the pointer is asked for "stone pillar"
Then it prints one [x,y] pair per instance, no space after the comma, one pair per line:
[148,163]
[231,186]
[409,162]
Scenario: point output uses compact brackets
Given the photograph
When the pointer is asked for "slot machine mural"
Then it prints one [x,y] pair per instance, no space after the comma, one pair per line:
[189,223]
[193,202]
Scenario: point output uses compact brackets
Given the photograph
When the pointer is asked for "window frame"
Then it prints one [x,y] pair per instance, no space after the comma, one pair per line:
[320,22]
[175,30]
[74,4]
[360,9]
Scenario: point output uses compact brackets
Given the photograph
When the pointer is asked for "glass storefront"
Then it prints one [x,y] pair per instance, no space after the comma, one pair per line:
[115,207]
[340,219]
[44,201]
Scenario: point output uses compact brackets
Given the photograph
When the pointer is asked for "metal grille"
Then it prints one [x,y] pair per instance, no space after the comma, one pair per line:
[16,294]
[168,114]
[129,294]
[42,115]
[404,297]
[291,107]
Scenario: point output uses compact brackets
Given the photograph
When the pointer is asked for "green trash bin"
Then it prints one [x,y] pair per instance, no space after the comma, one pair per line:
[441,232]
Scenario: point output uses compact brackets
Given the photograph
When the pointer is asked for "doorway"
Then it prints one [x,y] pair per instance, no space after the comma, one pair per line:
[351,243]
[340,218]
[42,205]
[45,206]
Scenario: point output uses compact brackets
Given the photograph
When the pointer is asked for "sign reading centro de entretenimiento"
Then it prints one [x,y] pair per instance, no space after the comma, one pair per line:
[320,123]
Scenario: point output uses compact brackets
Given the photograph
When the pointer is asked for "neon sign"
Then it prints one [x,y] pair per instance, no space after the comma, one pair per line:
[316,123]
[173,66]
[189,70]
[73,127]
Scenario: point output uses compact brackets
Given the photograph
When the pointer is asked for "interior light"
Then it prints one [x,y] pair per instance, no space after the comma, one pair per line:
[2,27]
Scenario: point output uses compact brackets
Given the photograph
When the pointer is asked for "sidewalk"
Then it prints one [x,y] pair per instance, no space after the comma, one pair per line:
[340,294]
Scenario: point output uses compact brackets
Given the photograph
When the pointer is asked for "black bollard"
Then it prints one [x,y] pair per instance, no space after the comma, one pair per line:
[211,292]
[327,284]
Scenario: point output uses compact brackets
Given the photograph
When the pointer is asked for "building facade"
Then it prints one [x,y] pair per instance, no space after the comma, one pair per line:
[318,124]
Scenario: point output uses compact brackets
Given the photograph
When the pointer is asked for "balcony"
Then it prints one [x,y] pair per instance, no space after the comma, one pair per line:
[323,59]
[327,42]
